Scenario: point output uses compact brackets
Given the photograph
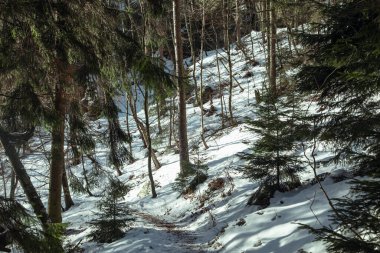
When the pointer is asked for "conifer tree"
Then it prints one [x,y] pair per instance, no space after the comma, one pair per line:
[57,47]
[25,230]
[114,215]
[273,161]
[343,70]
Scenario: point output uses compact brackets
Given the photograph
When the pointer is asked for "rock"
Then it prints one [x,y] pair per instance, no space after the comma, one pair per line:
[241,222]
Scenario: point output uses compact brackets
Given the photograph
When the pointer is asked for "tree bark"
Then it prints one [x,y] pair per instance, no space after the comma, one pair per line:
[57,158]
[272,47]
[14,183]
[219,78]
[73,144]
[182,120]
[143,132]
[66,191]
[201,68]
[3,177]
[238,23]
[147,124]
[127,123]
[18,168]
[158,111]
[189,29]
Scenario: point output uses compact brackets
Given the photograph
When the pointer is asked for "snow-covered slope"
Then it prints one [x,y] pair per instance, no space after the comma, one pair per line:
[211,220]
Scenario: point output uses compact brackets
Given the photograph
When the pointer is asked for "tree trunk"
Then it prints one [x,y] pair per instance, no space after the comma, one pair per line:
[73,144]
[189,29]
[127,123]
[86,179]
[170,123]
[66,191]
[201,68]
[219,78]
[57,158]
[225,23]
[3,177]
[113,146]
[14,183]
[147,124]
[238,23]
[272,48]
[182,121]
[229,60]
[26,183]
[158,110]
[143,133]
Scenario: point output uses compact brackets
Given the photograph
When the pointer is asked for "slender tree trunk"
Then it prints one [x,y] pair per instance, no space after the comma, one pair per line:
[189,29]
[229,60]
[14,183]
[127,123]
[132,106]
[201,68]
[3,177]
[170,123]
[219,79]
[158,111]
[182,121]
[143,132]
[238,23]
[113,145]
[147,124]
[66,191]
[225,23]
[272,47]
[73,144]
[57,158]
[26,183]
[86,179]
[277,162]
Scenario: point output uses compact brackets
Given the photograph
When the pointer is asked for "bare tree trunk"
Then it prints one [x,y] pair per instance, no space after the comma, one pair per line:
[170,123]
[147,124]
[182,121]
[201,68]
[226,21]
[238,23]
[86,178]
[219,79]
[113,145]
[57,158]
[66,191]
[14,183]
[272,47]
[26,183]
[158,111]
[132,106]
[127,123]
[143,132]
[189,30]
[3,177]
[261,7]
[73,144]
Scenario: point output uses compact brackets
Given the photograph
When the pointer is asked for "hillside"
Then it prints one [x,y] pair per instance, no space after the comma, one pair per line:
[215,217]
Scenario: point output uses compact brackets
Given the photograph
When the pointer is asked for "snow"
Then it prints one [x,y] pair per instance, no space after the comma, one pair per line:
[206,221]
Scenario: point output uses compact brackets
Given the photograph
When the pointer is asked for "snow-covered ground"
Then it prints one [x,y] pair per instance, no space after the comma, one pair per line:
[209,220]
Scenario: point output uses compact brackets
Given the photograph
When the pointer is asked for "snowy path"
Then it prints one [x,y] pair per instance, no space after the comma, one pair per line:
[185,240]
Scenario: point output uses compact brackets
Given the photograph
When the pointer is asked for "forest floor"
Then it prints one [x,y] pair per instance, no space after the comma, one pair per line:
[185,239]
[209,219]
